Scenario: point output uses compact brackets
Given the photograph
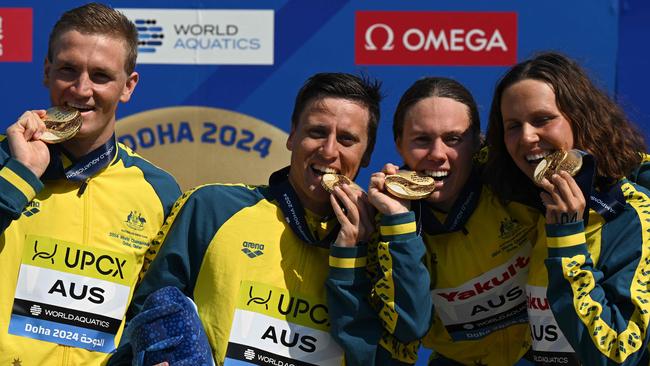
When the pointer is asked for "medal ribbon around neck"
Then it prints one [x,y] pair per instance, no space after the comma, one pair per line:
[83,168]
[608,204]
[459,213]
[293,211]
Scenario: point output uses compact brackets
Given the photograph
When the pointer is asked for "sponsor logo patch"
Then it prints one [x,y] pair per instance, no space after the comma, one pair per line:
[204,36]
[35,310]
[276,326]
[44,254]
[150,35]
[249,354]
[70,294]
[15,34]
[258,300]
[32,208]
[491,301]
[252,250]
[435,38]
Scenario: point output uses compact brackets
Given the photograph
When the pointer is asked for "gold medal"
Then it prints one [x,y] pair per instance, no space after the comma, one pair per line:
[62,124]
[331,180]
[569,161]
[409,185]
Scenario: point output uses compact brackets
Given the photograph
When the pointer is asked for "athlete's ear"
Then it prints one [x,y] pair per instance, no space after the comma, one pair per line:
[129,86]
[46,71]
[365,160]
[290,139]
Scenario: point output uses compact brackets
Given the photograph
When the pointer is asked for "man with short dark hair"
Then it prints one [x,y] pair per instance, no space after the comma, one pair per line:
[255,259]
[76,217]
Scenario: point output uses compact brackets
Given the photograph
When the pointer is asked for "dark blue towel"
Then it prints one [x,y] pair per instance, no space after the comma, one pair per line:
[169,329]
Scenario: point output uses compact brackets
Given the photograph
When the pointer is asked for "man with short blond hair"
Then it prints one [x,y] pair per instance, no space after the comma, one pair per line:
[76,217]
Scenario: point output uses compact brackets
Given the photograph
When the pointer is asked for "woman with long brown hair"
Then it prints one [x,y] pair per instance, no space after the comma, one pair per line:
[589,280]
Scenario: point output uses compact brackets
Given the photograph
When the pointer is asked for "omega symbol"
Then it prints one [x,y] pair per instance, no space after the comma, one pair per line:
[370,45]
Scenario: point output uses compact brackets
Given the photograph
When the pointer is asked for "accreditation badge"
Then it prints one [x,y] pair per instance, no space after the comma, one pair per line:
[484,304]
[70,294]
[550,347]
[273,326]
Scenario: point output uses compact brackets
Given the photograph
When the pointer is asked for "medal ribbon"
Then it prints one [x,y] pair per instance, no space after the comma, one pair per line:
[83,168]
[460,211]
[608,204]
[294,213]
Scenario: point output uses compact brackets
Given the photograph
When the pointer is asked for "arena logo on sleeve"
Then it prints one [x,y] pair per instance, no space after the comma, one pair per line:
[204,36]
[435,38]
[15,34]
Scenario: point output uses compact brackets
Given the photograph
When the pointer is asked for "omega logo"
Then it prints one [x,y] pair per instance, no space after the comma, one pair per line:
[455,39]
[388,46]
[1,38]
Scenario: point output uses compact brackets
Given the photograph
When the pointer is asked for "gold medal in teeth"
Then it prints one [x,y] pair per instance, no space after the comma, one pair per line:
[61,123]
[569,161]
[409,185]
[331,180]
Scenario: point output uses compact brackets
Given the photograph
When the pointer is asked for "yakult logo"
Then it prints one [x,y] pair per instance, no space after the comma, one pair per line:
[435,38]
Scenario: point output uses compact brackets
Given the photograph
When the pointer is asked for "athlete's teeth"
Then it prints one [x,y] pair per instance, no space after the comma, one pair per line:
[323,169]
[536,156]
[436,174]
[79,106]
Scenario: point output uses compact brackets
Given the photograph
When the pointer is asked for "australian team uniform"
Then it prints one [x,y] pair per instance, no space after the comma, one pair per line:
[378,310]
[477,257]
[255,263]
[589,284]
[71,246]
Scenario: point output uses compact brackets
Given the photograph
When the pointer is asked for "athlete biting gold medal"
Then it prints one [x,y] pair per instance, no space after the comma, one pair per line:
[409,185]
[62,124]
[331,180]
[569,161]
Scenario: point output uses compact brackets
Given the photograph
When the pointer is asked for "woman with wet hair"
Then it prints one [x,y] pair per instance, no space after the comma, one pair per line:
[476,250]
[588,299]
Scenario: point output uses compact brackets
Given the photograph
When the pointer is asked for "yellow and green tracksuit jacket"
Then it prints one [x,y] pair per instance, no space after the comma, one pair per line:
[70,254]
[477,273]
[589,285]
[641,175]
[259,288]
[377,310]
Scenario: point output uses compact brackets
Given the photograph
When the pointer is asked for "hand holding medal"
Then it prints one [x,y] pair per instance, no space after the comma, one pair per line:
[331,180]
[409,185]
[25,144]
[351,207]
[391,189]
[563,199]
[34,128]
[560,160]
